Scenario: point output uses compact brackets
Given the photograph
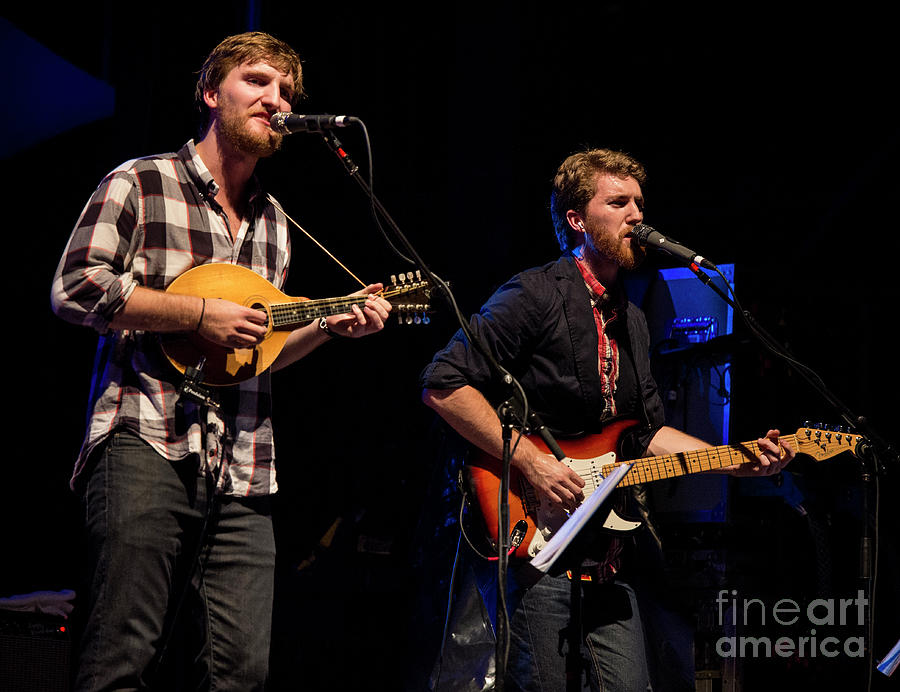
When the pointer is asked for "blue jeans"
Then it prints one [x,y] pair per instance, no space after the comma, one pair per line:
[144,519]
[612,656]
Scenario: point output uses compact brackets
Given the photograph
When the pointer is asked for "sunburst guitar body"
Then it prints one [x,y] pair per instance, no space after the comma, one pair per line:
[593,457]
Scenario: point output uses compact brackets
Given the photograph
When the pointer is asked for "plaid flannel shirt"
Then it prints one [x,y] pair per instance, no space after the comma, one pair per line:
[150,220]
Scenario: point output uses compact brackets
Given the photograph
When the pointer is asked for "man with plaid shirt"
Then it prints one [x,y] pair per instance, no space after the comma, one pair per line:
[167,480]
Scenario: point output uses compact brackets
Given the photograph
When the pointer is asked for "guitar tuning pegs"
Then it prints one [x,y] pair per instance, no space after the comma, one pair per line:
[393,279]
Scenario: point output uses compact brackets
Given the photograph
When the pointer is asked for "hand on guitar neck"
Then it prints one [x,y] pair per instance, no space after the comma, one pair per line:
[358,321]
[771,457]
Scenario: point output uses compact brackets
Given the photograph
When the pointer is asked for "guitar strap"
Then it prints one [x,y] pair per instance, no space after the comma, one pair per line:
[309,235]
[626,344]
[639,491]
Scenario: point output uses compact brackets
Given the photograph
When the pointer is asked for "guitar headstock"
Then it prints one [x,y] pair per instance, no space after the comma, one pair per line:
[410,297]
[821,443]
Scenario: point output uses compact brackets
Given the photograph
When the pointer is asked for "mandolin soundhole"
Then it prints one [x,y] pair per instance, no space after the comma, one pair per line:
[255,304]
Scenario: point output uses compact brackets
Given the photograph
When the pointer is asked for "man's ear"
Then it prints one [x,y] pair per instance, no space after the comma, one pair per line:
[576,221]
[211,98]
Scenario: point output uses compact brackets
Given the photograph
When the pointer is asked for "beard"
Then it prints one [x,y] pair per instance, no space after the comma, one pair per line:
[613,248]
[232,126]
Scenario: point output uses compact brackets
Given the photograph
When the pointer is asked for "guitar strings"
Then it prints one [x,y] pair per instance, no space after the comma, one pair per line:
[669,465]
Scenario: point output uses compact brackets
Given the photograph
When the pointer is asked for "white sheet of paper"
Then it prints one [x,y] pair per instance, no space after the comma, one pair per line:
[544,560]
[891,661]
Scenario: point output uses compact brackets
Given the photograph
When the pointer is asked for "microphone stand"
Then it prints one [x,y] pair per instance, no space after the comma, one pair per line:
[507,423]
[874,452]
[506,411]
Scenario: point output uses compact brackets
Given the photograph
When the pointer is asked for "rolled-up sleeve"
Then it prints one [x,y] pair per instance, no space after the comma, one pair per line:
[506,326]
[93,279]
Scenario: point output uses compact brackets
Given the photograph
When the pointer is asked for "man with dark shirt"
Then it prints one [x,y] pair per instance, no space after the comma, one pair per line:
[580,350]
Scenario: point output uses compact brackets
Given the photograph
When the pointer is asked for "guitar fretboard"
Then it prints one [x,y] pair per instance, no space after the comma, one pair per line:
[696,461]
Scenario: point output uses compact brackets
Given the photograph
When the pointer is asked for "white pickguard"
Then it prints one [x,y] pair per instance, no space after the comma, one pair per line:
[548,519]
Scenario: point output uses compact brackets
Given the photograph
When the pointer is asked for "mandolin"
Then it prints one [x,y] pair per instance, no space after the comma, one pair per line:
[409,297]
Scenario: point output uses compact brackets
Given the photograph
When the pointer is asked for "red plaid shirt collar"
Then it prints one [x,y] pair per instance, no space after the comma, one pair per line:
[605,313]
[598,290]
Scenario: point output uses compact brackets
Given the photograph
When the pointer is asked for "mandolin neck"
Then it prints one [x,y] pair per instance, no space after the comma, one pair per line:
[290,315]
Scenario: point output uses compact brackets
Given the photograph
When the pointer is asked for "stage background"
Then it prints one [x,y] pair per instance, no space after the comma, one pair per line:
[770,137]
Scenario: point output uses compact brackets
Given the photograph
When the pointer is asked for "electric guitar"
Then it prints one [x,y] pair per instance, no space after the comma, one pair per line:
[593,457]
[227,366]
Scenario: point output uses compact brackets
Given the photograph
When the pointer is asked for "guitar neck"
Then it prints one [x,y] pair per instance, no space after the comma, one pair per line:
[697,461]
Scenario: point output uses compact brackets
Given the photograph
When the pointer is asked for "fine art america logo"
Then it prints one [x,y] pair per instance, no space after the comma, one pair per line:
[802,630]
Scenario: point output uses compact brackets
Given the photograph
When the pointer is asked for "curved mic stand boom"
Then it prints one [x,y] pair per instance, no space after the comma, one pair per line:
[506,411]
[874,453]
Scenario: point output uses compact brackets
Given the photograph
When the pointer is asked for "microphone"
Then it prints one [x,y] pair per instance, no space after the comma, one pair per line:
[288,123]
[646,235]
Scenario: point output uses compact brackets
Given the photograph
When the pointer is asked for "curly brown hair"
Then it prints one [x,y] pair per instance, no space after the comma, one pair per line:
[574,185]
[249,47]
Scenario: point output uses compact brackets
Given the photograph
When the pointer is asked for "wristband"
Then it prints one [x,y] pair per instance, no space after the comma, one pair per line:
[323,325]
[202,312]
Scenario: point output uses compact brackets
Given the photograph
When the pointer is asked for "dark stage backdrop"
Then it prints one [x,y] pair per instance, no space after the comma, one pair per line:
[770,139]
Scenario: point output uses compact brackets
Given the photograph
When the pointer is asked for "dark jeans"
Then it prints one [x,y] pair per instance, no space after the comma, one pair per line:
[612,646]
[144,520]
